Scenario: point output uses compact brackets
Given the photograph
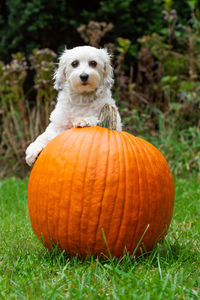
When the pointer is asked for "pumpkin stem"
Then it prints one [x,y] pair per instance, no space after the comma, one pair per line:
[108,117]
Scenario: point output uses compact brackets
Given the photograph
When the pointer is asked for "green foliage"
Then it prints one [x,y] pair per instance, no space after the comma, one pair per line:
[26,25]
[36,24]
[28,271]
[124,45]
[22,120]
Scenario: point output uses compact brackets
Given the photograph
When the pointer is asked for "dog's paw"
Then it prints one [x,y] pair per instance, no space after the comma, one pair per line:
[87,122]
[81,123]
[32,153]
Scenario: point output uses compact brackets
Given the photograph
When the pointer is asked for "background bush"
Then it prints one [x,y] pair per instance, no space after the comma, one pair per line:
[25,25]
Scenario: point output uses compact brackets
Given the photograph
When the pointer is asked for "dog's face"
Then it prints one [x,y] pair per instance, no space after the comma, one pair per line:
[84,69]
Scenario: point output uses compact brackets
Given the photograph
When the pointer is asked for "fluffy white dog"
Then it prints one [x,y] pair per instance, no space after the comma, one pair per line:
[84,81]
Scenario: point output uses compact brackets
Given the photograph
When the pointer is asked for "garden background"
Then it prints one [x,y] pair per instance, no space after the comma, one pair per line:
[155,46]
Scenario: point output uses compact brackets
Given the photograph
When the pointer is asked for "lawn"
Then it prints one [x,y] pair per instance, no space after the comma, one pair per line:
[29,271]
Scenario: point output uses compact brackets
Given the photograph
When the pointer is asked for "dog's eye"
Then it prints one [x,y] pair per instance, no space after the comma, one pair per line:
[75,63]
[92,63]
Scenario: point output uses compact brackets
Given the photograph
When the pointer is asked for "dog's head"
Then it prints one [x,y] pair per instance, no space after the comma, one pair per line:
[84,69]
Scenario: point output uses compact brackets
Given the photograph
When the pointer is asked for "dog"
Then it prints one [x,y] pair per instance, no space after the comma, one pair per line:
[84,79]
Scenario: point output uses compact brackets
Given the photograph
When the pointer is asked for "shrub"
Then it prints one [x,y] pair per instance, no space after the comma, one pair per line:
[22,120]
[25,25]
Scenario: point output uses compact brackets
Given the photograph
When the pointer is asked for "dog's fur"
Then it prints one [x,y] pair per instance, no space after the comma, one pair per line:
[84,81]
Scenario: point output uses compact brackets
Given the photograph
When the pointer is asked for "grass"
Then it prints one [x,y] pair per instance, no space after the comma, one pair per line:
[29,271]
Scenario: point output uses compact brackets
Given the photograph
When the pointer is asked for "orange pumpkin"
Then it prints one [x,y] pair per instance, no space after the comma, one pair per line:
[92,180]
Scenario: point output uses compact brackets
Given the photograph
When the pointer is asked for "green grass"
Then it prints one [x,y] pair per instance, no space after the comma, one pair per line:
[29,271]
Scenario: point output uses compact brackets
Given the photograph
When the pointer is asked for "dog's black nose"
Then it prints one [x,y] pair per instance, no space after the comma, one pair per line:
[84,77]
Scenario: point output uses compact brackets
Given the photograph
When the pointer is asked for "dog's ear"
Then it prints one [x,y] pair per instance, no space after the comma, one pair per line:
[108,70]
[60,73]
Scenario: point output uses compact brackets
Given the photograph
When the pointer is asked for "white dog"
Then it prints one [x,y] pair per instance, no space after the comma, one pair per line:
[84,81]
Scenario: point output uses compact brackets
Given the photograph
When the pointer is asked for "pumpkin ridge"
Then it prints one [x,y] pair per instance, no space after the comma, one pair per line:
[117,229]
[117,189]
[140,220]
[124,197]
[30,206]
[102,198]
[31,184]
[148,193]
[66,136]
[39,214]
[82,165]
[71,186]
[131,141]
[47,210]
[155,212]
[144,198]
[83,196]
[50,234]
[154,150]
[156,225]
[69,135]
[160,209]
[92,209]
